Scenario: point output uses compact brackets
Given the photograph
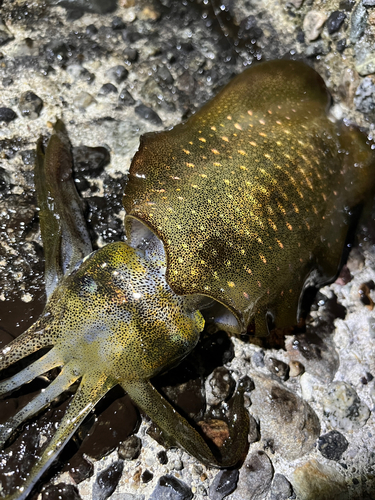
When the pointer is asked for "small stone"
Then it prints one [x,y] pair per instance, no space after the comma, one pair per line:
[148,114]
[171,488]
[5,36]
[364,99]
[107,481]
[341,45]
[358,22]
[332,445]
[364,57]
[254,434]
[126,98]
[164,75]
[7,115]
[130,54]
[78,72]
[83,100]
[320,47]
[277,367]
[343,408]
[258,358]
[297,3]
[61,491]
[255,478]
[281,488]
[162,457]
[313,24]
[219,386]
[118,73]
[130,448]
[90,162]
[224,483]
[335,21]
[146,476]
[91,29]
[286,419]
[314,480]
[7,81]
[28,156]
[368,3]
[296,368]
[117,23]
[107,88]
[30,105]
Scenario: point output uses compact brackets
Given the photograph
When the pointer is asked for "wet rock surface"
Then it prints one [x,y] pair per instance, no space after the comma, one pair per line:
[114,71]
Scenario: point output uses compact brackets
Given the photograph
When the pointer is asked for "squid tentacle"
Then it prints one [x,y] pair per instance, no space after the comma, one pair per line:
[34,339]
[91,389]
[50,360]
[65,379]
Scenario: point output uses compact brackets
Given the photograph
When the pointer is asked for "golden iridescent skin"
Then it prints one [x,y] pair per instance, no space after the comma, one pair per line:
[249,199]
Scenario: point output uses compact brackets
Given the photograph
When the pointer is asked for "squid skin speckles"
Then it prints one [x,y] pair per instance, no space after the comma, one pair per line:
[227,217]
[250,195]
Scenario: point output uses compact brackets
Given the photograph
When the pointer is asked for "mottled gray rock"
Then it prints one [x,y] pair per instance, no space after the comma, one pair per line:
[126,98]
[332,445]
[281,488]
[365,56]
[171,488]
[118,73]
[107,481]
[358,22]
[316,481]
[285,419]
[130,448]
[83,100]
[364,99]
[219,386]
[7,115]
[98,6]
[78,72]
[107,88]
[225,482]
[343,408]
[255,478]
[277,367]
[313,24]
[320,47]
[30,105]
[148,114]
[316,353]
[368,3]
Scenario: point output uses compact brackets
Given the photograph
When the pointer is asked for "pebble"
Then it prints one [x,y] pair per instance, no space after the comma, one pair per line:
[332,445]
[258,359]
[78,72]
[107,481]
[148,114]
[320,47]
[341,45]
[255,477]
[60,491]
[117,23]
[130,54]
[296,368]
[281,488]
[5,36]
[97,6]
[30,105]
[358,22]
[315,480]
[90,162]
[335,21]
[277,367]
[343,408]
[91,29]
[164,75]
[7,81]
[224,483]
[83,100]
[368,3]
[316,353]
[162,457]
[118,73]
[147,476]
[254,434]
[7,115]
[313,24]
[219,386]
[130,448]
[107,88]
[286,420]
[126,98]
[364,57]
[171,488]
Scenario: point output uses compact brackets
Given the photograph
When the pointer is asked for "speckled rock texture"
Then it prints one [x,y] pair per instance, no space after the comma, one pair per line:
[114,71]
